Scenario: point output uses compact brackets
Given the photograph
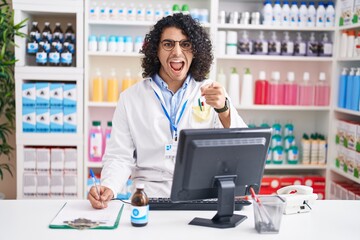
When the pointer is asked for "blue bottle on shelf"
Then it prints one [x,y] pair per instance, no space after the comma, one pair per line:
[342,88]
[349,87]
[356,92]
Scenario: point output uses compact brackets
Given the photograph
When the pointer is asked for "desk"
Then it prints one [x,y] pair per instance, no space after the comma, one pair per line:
[29,219]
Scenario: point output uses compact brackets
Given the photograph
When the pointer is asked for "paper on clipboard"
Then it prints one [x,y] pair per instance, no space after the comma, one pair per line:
[81,209]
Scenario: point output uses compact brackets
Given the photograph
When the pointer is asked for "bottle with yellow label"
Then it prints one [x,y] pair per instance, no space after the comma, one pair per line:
[112,87]
[127,81]
[98,87]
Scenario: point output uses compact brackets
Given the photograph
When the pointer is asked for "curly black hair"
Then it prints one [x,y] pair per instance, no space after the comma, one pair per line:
[199,38]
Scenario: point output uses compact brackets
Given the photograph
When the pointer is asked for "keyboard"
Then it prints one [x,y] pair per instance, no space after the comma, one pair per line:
[198,205]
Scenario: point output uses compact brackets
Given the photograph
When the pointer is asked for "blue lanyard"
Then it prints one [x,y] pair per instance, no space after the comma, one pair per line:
[173,125]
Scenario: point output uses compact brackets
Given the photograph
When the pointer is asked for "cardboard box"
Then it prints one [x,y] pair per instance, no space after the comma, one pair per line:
[346,12]
[42,94]
[28,95]
[70,121]
[56,120]
[28,119]
[56,95]
[70,95]
[43,120]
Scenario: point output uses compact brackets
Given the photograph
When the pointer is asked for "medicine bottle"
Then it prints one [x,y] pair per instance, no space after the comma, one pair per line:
[139,207]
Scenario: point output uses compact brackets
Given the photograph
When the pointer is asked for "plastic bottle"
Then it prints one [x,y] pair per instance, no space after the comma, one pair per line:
[306,91]
[278,155]
[289,129]
[104,11]
[221,78]
[120,43]
[122,12]
[59,32]
[149,13]
[289,140]
[127,80]
[95,142]
[234,87]
[294,14]
[350,43]
[98,87]
[356,92]
[285,14]
[56,40]
[48,32]
[128,44]
[299,46]
[261,46]
[92,43]
[247,89]
[349,87]
[159,13]
[261,89]
[320,15]
[245,45]
[70,32]
[276,130]
[343,43]
[322,149]
[35,31]
[139,207]
[138,44]
[70,44]
[292,155]
[277,14]
[276,90]
[44,39]
[32,45]
[131,13]
[267,12]
[41,55]
[274,45]
[102,44]
[311,21]
[312,46]
[303,15]
[112,44]
[314,149]
[185,9]
[54,55]
[322,91]
[330,15]
[107,134]
[325,47]
[66,56]
[290,90]
[113,11]
[175,9]
[140,13]
[342,88]
[305,149]
[357,45]
[94,10]
[287,45]
[112,87]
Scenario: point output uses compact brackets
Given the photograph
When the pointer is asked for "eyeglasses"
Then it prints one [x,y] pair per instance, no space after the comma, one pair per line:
[169,45]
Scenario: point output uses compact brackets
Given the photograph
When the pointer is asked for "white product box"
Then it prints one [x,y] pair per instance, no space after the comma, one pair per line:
[43,160]
[56,95]
[56,120]
[357,165]
[70,159]
[29,185]
[43,185]
[70,122]
[350,135]
[350,161]
[57,186]
[70,95]
[30,160]
[357,145]
[57,160]
[70,185]
[42,120]
[357,9]
[29,119]
[346,11]
[28,94]
[42,94]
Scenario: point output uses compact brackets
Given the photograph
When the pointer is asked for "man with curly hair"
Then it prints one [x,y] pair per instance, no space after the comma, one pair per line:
[174,95]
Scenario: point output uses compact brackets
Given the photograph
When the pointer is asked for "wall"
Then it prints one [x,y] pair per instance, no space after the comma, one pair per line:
[8,185]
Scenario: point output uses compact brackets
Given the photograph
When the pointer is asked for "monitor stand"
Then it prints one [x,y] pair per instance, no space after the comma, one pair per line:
[225,217]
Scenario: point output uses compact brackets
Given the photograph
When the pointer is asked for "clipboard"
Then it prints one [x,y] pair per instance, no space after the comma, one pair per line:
[79,214]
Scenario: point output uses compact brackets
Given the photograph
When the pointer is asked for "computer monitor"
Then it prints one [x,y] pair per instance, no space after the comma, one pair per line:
[219,163]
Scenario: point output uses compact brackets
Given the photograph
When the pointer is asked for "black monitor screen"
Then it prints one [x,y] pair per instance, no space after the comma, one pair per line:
[219,163]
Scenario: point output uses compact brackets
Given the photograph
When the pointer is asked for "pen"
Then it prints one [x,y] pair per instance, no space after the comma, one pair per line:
[96,187]
[199,101]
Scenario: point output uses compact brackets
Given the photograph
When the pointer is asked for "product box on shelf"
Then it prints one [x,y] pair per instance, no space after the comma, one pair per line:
[270,184]
[28,119]
[70,122]
[70,185]
[70,96]
[56,95]
[56,119]
[29,184]
[42,94]
[346,12]
[357,165]
[56,186]
[43,185]
[358,138]
[43,120]
[29,160]
[291,180]
[57,161]
[350,135]
[43,160]
[28,95]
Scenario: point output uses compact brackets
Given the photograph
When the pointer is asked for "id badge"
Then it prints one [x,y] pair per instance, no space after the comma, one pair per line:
[170,151]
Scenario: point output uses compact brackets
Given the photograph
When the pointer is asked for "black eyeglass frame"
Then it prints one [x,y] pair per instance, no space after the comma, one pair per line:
[173,42]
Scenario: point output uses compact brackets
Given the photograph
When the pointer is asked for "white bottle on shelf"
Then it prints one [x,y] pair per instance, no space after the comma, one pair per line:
[299,46]
[159,12]
[221,78]
[343,44]
[149,14]
[104,11]
[234,87]
[303,15]
[140,12]
[320,15]
[94,10]
[131,13]
[267,12]
[122,12]
[350,44]
[330,15]
[247,89]
[311,22]
[113,11]
[277,14]
[287,46]
[294,14]
[285,14]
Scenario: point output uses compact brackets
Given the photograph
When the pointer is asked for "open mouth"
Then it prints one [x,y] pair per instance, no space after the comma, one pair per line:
[177,66]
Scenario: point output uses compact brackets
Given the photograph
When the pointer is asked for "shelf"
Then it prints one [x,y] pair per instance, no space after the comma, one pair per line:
[94,164]
[283,108]
[130,23]
[344,174]
[102,104]
[50,139]
[115,54]
[52,70]
[274,58]
[347,27]
[347,111]
[294,167]
[269,28]
[353,59]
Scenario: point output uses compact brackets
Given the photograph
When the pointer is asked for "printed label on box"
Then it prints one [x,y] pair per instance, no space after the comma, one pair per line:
[42,120]
[70,122]
[70,95]
[56,120]
[42,94]
[28,94]
[29,119]
[56,95]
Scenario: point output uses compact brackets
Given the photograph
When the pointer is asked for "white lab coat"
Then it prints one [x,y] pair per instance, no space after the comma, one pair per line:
[140,131]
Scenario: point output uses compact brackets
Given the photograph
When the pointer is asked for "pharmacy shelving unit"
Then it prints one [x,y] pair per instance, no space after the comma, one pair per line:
[120,61]
[63,11]
[336,174]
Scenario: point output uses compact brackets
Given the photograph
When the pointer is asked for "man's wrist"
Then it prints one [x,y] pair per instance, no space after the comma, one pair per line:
[225,108]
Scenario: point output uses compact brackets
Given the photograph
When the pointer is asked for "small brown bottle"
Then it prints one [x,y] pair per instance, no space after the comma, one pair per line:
[139,207]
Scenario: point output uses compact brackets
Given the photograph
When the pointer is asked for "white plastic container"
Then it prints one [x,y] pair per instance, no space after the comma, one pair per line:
[277,14]
[303,15]
[343,44]
[221,78]
[320,15]
[267,13]
[102,44]
[247,89]
[285,14]
[311,15]
[330,15]
[294,14]
[92,43]
[234,87]
[287,46]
